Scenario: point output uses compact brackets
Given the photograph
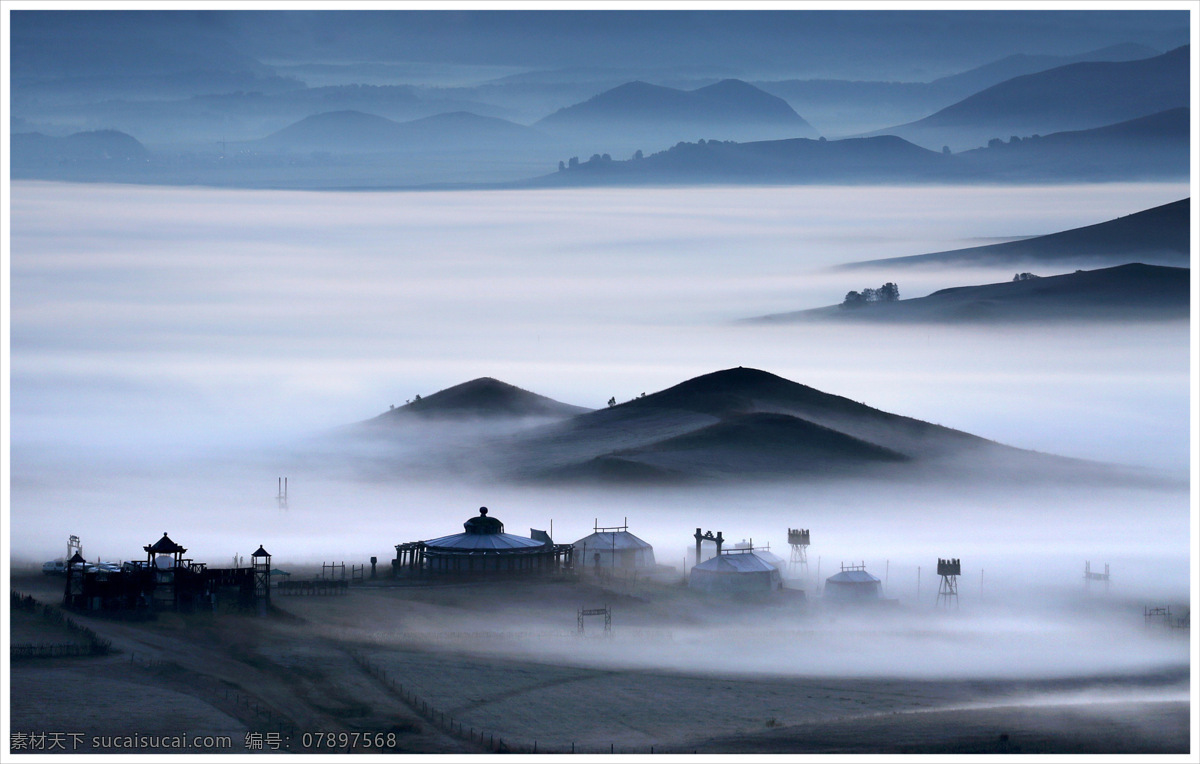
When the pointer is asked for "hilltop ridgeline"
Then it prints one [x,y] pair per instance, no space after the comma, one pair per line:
[737,424]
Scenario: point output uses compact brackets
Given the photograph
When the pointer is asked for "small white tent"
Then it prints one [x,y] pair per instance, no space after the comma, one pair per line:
[613,548]
[852,585]
[763,553]
[737,572]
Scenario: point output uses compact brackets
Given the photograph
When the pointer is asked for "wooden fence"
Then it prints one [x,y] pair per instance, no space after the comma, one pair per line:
[52,650]
[96,645]
[489,740]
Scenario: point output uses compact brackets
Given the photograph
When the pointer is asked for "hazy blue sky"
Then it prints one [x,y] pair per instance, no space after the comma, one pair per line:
[874,44]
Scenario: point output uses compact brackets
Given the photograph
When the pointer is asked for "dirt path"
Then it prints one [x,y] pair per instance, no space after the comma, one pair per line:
[408,663]
[253,674]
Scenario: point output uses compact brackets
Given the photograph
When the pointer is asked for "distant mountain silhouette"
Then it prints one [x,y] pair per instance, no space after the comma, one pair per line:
[652,116]
[28,150]
[725,102]
[797,160]
[849,107]
[399,103]
[482,398]
[353,131]
[1152,147]
[1160,236]
[1073,97]
[1122,293]
[982,77]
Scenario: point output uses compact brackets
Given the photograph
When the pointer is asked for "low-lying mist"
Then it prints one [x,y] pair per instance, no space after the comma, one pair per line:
[1036,642]
[175,351]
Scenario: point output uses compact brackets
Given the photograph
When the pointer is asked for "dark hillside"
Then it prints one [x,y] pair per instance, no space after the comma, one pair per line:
[480,398]
[1160,235]
[1123,293]
[89,151]
[1154,147]
[796,160]
[731,425]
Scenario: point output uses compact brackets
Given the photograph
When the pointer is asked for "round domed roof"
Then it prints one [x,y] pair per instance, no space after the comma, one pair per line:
[483,524]
[483,534]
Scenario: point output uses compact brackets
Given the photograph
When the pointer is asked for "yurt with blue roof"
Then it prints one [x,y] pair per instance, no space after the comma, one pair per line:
[482,548]
[853,584]
[735,572]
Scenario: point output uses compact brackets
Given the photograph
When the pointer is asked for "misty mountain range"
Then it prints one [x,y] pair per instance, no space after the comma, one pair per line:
[1072,97]
[638,113]
[355,132]
[1155,147]
[730,425]
[856,106]
[192,89]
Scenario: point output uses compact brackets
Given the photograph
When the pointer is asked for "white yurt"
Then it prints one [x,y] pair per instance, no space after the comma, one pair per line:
[615,548]
[763,553]
[735,572]
[769,557]
[853,584]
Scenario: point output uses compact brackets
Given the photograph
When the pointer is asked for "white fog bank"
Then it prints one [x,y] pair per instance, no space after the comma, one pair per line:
[174,349]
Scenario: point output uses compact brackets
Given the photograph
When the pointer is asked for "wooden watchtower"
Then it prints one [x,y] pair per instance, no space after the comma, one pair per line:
[798,540]
[949,570]
[73,594]
[261,560]
[166,574]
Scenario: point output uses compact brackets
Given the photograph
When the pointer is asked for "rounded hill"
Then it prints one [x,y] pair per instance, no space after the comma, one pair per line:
[481,399]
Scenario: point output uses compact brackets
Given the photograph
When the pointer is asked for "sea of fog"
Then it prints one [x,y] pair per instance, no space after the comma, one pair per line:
[175,350]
